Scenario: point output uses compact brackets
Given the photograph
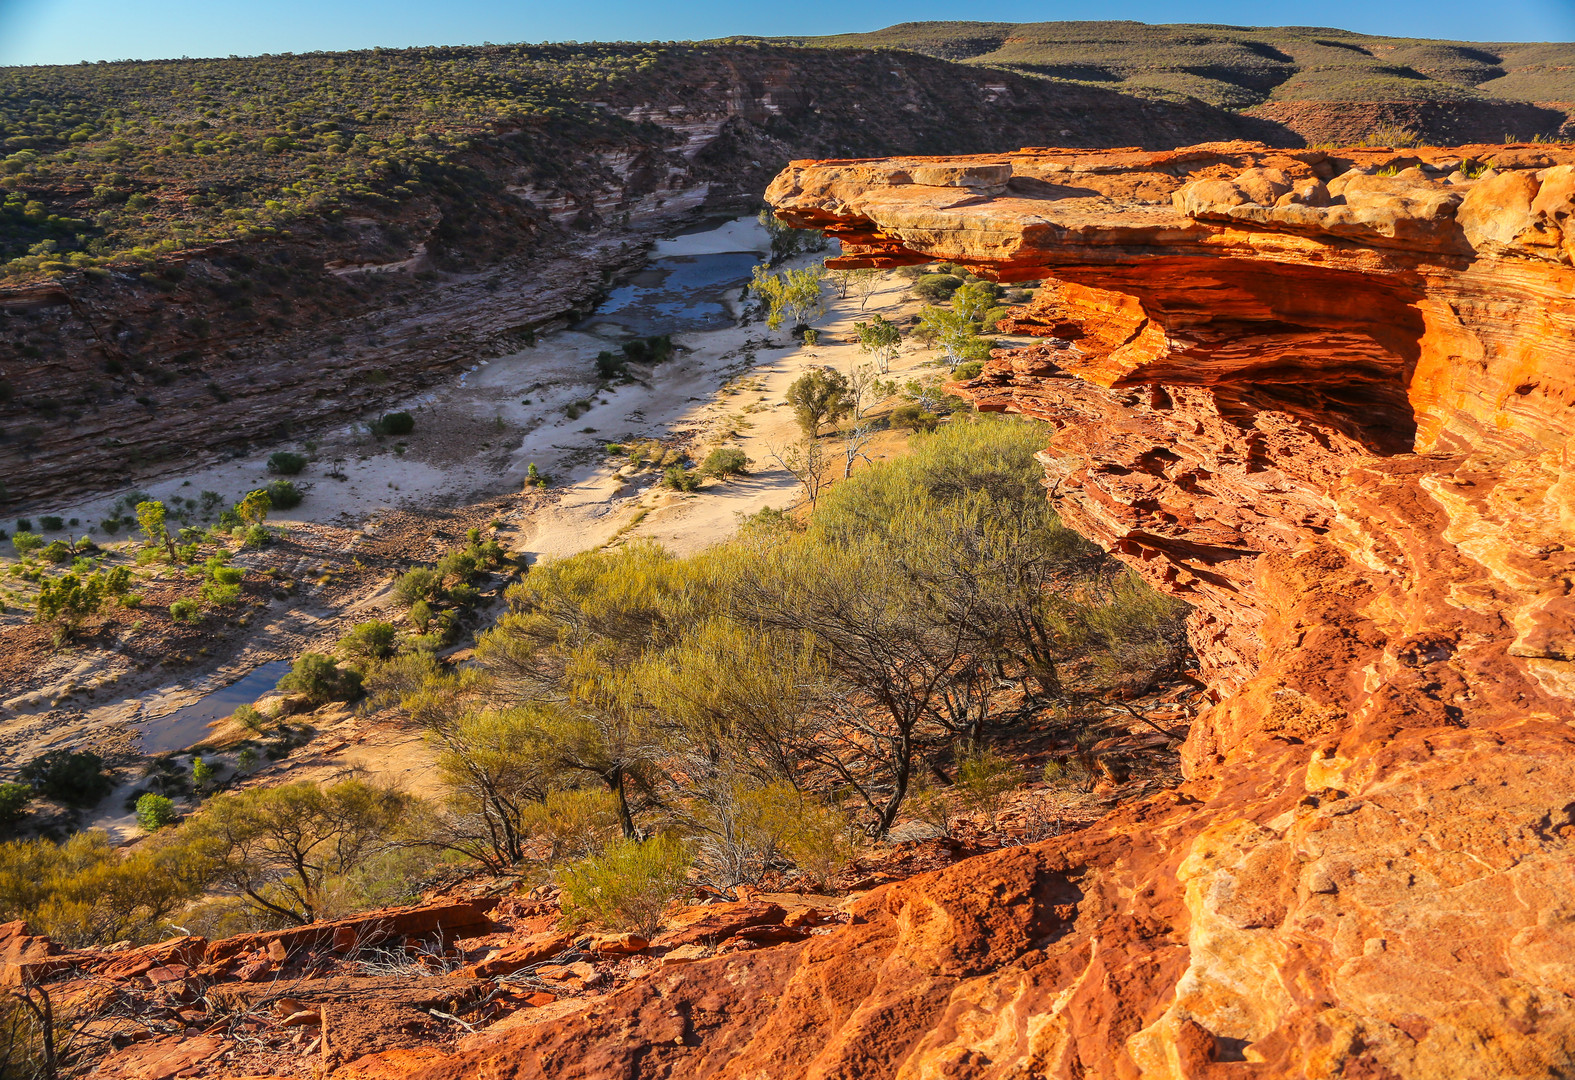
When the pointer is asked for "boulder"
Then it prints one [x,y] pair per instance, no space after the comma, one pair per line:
[521,954]
[712,923]
[26,957]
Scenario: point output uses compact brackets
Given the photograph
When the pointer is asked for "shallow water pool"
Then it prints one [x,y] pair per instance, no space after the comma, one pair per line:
[189,724]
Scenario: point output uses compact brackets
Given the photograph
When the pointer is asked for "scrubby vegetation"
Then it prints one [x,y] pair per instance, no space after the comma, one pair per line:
[637,724]
[170,155]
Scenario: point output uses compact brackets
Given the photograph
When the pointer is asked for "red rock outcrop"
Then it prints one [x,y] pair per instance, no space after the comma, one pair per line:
[1328,398]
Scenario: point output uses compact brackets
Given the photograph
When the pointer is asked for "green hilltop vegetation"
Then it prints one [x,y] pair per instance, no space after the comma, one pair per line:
[160,156]
[1238,67]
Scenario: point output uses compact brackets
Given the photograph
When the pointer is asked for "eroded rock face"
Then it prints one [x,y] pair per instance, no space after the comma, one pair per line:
[1335,411]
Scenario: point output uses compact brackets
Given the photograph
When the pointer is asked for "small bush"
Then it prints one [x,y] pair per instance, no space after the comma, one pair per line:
[249,718]
[821,842]
[930,803]
[246,761]
[983,779]
[936,288]
[463,595]
[628,887]
[725,461]
[219,594]
[286,464]
[24,525]
[74,777]
[371,640]
[57,552]
[969,370]
[575,824]
[255,536]
[992,318]
[13,803]
[154,812]
[419,583]
[395,423]
[681,479]
[420,615]
[610,365]
[203,774]
[320,679]
[284,495]
[914,416]
[50,523]
[649,350]
[26,543]
[185,611]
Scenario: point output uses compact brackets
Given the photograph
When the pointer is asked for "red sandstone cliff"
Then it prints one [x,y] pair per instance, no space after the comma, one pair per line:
[1335,410]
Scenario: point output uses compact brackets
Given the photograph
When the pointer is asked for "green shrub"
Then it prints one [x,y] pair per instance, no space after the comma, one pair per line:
[983,779]
[681,479]
[725,461]
[649,350]
[13,803]
[255,536]
[418,583]
[284,495]
[969,370]
[372,640]
[396,423]
[57,552]
[185,611]
[463,595]
[154,812]
[249,718]
[420,615]
[321,680]
[50,523]
[610,365]
[246,761]
[26,543]
[628,887]
[821,842]
[74,777]
[202,773]
[914,416]
[936,288]
[992,318]
[286,463]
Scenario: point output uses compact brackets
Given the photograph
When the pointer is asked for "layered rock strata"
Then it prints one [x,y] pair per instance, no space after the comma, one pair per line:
[1329,399]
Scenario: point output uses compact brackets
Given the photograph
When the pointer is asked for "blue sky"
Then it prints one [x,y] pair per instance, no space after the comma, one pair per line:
[66,31]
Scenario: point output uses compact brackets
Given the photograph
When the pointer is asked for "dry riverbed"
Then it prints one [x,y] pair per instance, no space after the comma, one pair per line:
[374,507]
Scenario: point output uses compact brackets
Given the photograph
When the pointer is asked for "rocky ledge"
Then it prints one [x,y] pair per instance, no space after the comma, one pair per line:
[1329,399]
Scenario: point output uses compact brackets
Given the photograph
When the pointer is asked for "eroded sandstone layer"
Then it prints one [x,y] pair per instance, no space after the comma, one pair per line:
[1329,399]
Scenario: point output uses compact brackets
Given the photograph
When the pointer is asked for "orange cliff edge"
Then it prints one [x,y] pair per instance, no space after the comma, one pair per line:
[1327,397]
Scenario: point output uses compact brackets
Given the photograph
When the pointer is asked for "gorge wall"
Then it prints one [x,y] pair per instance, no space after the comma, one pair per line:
[127,372]
[1329,399]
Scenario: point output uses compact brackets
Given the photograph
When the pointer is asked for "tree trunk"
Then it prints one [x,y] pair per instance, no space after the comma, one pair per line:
[615,783]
